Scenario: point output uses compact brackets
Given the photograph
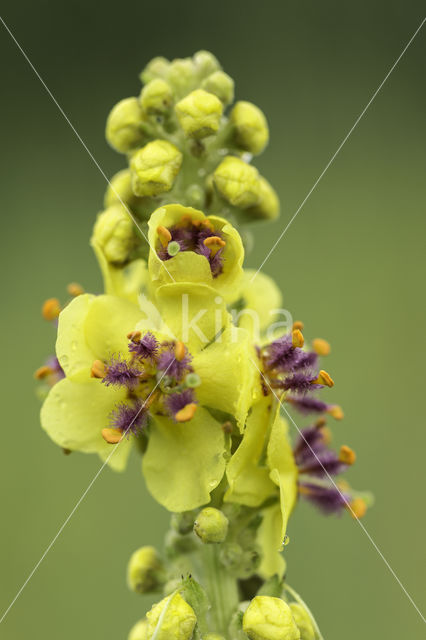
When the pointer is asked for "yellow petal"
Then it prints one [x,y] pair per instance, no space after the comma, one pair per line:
[108,322]
[270,541]
[283,468]
[75,413]
[249,482]
[74,354]
[184,462]
[229,379]
[192,313]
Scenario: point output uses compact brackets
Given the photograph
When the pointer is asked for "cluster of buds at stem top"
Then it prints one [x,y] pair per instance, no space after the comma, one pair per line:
[181,121]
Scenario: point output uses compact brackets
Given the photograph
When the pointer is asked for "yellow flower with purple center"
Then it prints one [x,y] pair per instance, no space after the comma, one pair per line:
[187,246]
[127,377]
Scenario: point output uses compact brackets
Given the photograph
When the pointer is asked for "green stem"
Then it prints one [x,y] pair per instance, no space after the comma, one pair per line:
[221,589]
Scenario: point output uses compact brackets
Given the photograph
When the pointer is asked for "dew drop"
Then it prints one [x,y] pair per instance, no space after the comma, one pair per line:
[286,540]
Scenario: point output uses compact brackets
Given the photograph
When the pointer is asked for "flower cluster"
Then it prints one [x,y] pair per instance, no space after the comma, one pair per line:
[177,361]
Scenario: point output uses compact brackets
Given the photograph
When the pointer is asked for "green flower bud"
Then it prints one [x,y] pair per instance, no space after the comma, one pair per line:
[205,63]
[145,571]
[119,189]
[241,562]
[237,182]
[124,130]
[171,619]
[221,85]
[303,621]
[154,168]
[178,544]
[181,75]
[157,68]
[251,128]
[213,636]
[139,631]
[183,522]
[268,206]
[211,525]
[268,618]
[156,96]
[113,233]
[199,113]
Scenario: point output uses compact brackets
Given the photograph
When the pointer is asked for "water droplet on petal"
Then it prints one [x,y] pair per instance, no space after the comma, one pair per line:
[286,540]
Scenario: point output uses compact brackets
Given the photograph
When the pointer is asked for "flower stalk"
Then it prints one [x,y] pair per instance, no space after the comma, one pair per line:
[185,359]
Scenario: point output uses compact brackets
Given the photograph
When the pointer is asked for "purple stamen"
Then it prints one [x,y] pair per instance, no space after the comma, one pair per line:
[177,401]
[308,404]
[299,383]
[282,355]
[129,417]
[310,439]
[171,366]
[191,238]
[120,373]
[322,463]
[328,499]
[146,347]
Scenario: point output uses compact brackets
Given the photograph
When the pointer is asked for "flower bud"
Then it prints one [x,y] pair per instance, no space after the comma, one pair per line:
[237,182]
[178,544]
[124,130]
[119,189]
[199,113]
[154,168]
[139,631]
[251,128]
[113,233]
[303,621]
[205,63]
[211,525]
[268,206]
[183,522]
[157,68]
[156,97]
[268,618]
[181,75]
[221,85]
[177,619]
[145,572]
[213,636]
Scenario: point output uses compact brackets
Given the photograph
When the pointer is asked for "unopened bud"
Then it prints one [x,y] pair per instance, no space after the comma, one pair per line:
[113,233]
[171,619]
[221,85]
[157,68]
[156,97]
[124,130]
[154,168]
[119,189]
[139,631]
[181,75]
[211,525]
[145,572]
[205,63]
[237,182]
[303,621]
[268,205]
[268,618]
[199,113]
[251,128]
[183,522]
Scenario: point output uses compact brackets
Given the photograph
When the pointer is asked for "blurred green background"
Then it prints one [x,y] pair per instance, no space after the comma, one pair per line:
[352,266]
